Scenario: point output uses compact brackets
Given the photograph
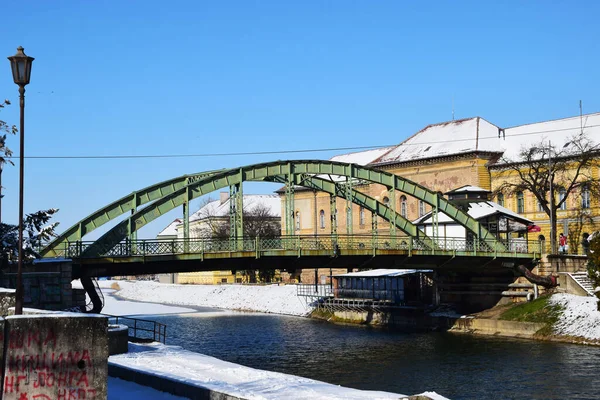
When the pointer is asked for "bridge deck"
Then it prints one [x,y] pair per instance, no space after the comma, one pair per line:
[339,251]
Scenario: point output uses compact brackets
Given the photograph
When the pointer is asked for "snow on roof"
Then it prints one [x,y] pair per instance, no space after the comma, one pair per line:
[477,210]
[374,273]
[446,138]
[215,208]
[559,132]
[361,157]
[171,229]
[468,188]
[477,134]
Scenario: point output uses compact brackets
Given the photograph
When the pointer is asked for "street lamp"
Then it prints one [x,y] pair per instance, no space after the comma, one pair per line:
[21,70]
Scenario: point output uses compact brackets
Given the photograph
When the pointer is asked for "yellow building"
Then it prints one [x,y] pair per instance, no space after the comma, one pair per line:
[449,155]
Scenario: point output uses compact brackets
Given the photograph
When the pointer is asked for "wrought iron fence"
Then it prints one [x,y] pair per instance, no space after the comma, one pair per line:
[332,244]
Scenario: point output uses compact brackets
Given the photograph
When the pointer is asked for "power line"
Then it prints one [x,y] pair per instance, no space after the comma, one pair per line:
[250,153]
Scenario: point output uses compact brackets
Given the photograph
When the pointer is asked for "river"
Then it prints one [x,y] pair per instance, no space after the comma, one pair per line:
[456,366]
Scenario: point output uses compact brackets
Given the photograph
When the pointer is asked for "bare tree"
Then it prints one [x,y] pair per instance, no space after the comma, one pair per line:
[579,217]
[258,221]
[544,168]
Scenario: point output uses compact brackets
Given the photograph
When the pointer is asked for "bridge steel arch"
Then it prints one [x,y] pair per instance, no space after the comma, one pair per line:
[119,207]
[180,191]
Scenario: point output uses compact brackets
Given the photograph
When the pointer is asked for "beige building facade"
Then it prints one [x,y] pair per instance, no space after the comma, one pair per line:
[453,154]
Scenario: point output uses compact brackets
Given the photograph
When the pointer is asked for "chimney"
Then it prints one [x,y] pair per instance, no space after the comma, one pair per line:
[223,196]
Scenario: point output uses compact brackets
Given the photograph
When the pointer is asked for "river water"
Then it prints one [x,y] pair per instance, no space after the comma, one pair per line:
[456,366]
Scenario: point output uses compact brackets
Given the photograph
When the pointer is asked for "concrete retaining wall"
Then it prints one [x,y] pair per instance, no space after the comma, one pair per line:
[164,384]
[55,356]
[554,263]
[46,285]
[567,284]
[496,327]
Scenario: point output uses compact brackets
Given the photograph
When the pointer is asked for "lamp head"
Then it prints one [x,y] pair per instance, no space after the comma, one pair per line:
[20,64]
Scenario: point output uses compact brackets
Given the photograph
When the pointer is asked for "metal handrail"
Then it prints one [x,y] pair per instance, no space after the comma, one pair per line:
[159,330]
[333,243]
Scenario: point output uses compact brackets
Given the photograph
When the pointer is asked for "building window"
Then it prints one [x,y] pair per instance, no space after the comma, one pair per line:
[403,206]
[361,216]
[562,193]
[501,199]
[520,203]
[297,220]
[322,219]
[421,208]
[348,216]
[585,196]
[386,201]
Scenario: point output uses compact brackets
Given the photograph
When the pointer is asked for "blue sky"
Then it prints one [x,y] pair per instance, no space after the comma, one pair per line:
[196,77]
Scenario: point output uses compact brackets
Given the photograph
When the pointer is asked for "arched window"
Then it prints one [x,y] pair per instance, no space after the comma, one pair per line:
[361,216]
[562,193]
[585,196]
[520,203]
[421,208]
[297,220]
[322,219]
[386,201]
[501,199]
[403,206]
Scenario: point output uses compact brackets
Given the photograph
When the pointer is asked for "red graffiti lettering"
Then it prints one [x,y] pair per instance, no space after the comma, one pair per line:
[83,379]
[33,337]
[92,392]
[81,393]
[86,356]
[50,380]
[50,338]
[9,384]
[23,396]
[20,378]
[62,379]
[15,340]
[62,394]
[41,396]
[72,394]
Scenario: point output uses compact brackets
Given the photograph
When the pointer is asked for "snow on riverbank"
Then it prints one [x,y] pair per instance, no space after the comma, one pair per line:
[580,316]
[236,380]
[277,299]
[197,369]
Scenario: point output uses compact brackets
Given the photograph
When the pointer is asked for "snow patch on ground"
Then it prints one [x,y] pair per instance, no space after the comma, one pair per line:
[276,299]
[236,380]
[580,316]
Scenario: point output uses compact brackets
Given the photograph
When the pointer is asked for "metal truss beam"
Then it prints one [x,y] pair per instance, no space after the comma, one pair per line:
[217,180]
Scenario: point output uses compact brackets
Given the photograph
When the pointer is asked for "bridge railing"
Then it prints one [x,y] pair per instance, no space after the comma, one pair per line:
[332,244]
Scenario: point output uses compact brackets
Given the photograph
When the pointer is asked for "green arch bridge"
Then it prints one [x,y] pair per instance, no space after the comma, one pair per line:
[119,252]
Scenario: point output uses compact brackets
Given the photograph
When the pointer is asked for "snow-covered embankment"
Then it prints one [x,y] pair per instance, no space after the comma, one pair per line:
[276,299]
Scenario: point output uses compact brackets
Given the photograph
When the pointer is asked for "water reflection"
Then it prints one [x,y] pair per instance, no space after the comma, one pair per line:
[457,366]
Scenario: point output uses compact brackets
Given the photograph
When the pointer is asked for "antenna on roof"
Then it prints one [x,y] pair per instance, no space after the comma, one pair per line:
[452,107]
[581,116]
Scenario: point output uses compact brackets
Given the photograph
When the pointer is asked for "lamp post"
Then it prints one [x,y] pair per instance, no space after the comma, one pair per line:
[21,70]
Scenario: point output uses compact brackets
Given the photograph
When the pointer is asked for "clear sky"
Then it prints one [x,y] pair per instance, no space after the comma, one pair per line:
[196,77]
